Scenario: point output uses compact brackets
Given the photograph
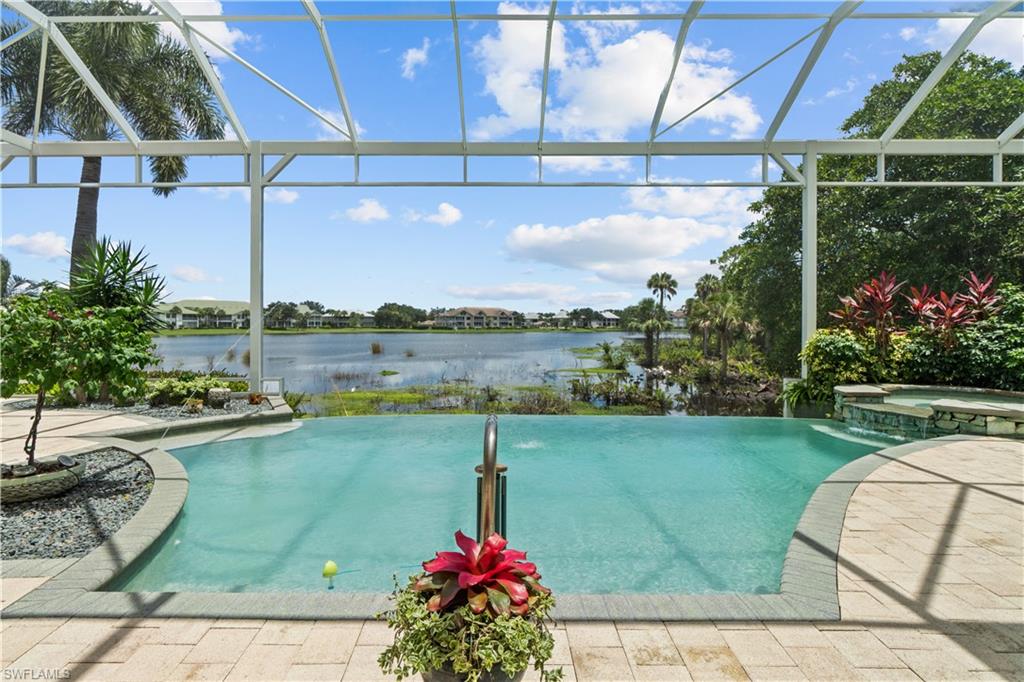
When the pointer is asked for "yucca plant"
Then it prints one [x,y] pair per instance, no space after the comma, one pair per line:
[113,275]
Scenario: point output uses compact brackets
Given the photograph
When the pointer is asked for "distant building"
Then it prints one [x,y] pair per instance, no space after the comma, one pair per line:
[605,319]
[561,319]
[678,318]
[204,314]
[476,318]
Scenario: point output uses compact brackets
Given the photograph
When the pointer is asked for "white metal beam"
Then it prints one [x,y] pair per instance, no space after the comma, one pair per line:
[65,48]
[18,141]
[947,61]
[943,147]
[332,65]
[544,81]
[844,10]
[809,253]
[736,82]
[789,168]
[276,169]
[168,9]
[677,54]
[6,162]
[462,99]
[280,88]
[1011,131]
[653,16]
[37,116]
[255,267]
[24,33]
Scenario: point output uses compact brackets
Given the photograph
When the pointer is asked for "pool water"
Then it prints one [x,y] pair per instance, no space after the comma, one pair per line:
[601,504]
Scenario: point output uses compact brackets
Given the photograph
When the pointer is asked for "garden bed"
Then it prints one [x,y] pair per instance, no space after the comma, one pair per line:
[115,486]
[164,413]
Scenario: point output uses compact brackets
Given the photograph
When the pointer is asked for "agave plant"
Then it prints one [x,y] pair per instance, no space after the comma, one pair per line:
[489,576]
[113,275]
[980,298]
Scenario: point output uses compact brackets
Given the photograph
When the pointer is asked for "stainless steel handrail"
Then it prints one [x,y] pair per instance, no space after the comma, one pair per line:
[488,478]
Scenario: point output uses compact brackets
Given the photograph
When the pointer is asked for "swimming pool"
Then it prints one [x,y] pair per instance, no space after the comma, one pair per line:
[602,504]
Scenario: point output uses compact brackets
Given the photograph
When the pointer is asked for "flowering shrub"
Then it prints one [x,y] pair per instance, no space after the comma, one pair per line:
[471,613]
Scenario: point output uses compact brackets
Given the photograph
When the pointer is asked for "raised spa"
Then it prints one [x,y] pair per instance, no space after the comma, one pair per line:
[602,504]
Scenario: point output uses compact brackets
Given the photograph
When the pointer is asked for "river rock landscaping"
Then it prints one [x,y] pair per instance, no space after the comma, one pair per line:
[115,486]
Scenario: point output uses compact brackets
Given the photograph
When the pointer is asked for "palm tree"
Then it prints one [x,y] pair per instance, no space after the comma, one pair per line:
[664,285]
[650,320]
[707,285]
[154,80]
[727,321]
[698,318]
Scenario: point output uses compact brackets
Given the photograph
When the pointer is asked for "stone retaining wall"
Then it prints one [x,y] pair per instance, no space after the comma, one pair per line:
[865,406]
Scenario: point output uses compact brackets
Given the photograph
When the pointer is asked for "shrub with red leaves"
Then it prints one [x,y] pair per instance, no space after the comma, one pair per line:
[490,576]
[980,298]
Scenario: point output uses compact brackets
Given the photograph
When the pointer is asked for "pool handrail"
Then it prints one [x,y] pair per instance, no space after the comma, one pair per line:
[488,477]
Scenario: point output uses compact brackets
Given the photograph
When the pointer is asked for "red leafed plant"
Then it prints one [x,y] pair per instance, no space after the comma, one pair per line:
[980,298]
[921,302]
[851,314]
[873,305]
[485,576]
[950,313]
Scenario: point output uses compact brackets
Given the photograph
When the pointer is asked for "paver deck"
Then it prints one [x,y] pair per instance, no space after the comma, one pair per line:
[931,586]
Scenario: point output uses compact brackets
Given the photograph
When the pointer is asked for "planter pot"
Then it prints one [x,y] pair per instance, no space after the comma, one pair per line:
[494,676]
[36,486]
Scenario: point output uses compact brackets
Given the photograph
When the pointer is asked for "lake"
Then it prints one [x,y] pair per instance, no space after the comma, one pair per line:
[323,362]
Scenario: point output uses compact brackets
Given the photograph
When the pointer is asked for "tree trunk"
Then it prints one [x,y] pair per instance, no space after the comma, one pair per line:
[33,431]
[724,371]
[85,214]
[704,344]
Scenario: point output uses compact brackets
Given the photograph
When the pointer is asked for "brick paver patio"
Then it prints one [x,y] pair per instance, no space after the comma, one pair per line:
[931,583]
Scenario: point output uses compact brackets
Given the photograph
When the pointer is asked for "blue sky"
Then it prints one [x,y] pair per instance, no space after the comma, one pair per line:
[524,248]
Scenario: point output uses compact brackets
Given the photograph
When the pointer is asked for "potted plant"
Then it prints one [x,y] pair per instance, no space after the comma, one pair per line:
[478,615]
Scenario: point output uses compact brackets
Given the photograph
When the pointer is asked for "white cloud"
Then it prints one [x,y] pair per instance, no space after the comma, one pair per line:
[621,248]
[556,294]
[272,195]
[367,211]
[281,195]
[908,33]
[587,165]
[723,206]
[446,215]
[229,37]
[413,58]
[49,245]
[1001,38]
[604,83]
[326,132]
[191,273]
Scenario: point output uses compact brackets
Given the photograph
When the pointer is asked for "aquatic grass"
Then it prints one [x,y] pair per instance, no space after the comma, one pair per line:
[376,347]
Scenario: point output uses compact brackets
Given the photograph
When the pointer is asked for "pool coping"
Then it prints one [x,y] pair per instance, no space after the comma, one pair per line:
[809,581]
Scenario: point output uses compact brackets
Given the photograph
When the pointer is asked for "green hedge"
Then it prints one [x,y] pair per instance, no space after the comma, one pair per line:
[987,354]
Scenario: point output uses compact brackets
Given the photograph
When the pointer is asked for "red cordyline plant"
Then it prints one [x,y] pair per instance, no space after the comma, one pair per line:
[921,303]
[873,305]
[489,576]
[950,313]
[980,298]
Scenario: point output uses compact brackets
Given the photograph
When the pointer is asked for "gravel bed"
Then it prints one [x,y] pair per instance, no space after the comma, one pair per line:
[169,413]
[116,484]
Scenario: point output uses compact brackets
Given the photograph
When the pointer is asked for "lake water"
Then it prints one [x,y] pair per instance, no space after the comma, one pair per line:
[323,362]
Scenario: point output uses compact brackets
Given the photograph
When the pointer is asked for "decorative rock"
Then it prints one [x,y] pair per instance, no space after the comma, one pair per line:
[1001,427]
[218,397]
[946,424]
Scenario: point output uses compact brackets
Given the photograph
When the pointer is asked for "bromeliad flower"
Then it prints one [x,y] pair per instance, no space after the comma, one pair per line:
[491,575]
